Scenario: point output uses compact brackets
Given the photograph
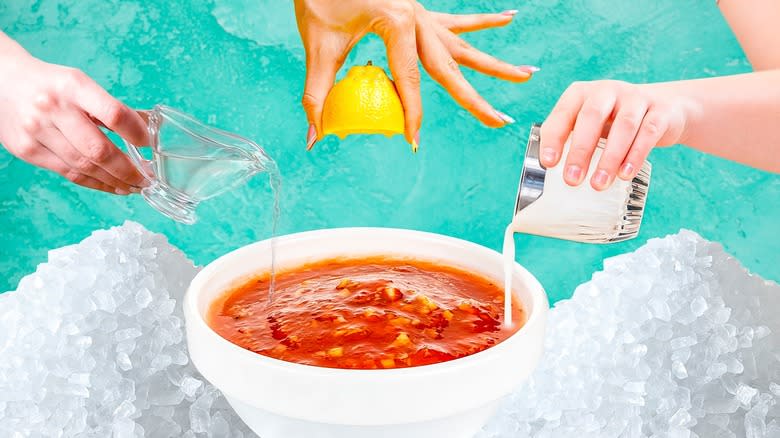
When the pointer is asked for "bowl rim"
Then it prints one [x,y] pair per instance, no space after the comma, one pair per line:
[539,305]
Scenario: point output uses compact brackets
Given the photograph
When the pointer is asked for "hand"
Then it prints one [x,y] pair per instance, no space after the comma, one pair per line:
[329,29]
[633,119]
[49,117]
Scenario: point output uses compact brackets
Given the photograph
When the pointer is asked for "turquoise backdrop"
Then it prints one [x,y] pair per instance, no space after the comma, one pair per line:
[239,65]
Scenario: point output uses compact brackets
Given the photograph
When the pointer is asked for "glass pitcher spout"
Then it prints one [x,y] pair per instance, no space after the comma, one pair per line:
[192,162]
[262,162]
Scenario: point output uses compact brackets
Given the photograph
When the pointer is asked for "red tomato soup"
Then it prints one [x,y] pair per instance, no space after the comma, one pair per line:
[366,313]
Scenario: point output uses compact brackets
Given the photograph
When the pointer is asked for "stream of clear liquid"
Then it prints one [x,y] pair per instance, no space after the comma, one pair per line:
[275,181]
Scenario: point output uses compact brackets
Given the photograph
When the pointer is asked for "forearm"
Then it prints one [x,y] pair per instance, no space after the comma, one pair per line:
[755,24]
[734,117]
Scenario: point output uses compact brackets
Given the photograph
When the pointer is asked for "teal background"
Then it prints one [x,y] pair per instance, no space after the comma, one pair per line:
[238,64]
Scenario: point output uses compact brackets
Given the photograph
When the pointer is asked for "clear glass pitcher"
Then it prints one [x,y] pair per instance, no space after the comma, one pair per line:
[546,206]
[192,162]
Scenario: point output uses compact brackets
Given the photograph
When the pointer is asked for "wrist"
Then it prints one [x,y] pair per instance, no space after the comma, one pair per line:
[692,112]
[686,109]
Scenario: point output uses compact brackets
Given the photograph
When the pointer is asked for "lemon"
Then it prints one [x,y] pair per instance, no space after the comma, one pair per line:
[365,101]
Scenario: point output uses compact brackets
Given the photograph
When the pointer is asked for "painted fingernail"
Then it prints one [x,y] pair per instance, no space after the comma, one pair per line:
[549,155]
[601,178]
[416,142]
[504,117]
[530,69]
[573,174]
[311,137]
[510,12]
[626,170]
[119,191]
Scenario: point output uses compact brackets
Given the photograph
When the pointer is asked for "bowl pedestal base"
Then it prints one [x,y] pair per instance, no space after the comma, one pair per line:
[269,425]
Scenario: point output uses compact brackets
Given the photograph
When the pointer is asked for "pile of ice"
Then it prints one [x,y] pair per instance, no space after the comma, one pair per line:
[674,340]
[92,344]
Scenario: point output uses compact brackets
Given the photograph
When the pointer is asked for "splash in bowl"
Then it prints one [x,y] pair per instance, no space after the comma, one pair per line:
[280,398]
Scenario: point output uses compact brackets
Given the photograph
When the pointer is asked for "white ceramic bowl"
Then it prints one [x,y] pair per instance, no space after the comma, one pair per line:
[280,399]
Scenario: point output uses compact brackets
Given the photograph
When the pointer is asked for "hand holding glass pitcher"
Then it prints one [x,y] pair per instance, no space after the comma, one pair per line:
[51,117]
[191,162]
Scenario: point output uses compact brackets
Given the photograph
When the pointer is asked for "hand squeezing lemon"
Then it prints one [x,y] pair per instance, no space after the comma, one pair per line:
[365,101]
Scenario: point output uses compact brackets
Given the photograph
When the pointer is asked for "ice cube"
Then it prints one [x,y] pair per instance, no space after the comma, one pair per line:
[721,316]
[762,331]
[190,385]
[716,370]
[219,426]
[170,396]
[745,394]
[755,426]
[79,379]
[124,428]
[682,342]
[143,297]
[200,420]
[734,366]
[721,405]
[637,387]
[125,334]
[124,410]
[680,419]
[123,361]
[660,309]
[699,306]
[679,370]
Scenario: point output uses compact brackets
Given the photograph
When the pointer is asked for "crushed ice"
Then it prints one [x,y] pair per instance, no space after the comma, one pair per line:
[674,340]
[92,345]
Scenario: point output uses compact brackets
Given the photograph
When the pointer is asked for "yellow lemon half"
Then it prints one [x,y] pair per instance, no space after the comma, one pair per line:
[365,101]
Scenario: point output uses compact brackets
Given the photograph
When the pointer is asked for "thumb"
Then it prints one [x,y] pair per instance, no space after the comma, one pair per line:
[321,72]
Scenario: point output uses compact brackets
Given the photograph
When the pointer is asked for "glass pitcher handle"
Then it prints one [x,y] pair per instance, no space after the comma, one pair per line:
[143,165]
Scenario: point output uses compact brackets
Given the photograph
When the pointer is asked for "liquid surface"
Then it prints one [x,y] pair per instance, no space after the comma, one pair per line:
[366,313]
[202,178]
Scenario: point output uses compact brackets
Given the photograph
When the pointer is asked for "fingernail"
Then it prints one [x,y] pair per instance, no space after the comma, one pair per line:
[600,178]
[626,170]
[505,117]
[573,174]
[311,137]
[135,189]
[510,12]
[549,155]
[530,69]
[121,191]
[416,142]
